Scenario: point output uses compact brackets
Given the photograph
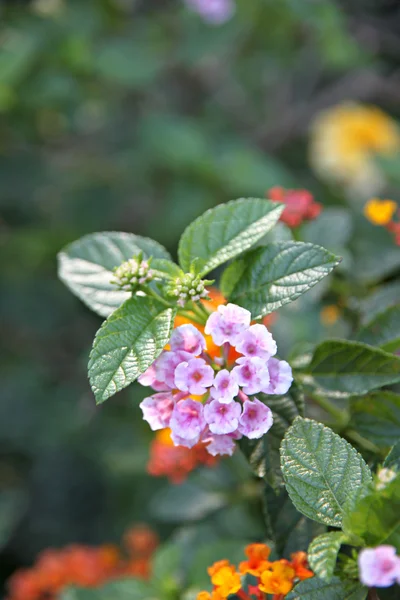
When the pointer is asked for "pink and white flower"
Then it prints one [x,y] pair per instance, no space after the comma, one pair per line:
[227,323]
[256,341]
[379,567]
[221,444]
[222,418]
[187,423]
[225,386]
[252,374]
[149,378]
[188,339]
[194,376]
[281,377]
[256,419]
[157,410]
[166,364]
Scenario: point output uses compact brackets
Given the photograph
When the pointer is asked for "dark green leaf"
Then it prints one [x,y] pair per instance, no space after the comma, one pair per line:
[226,231]
[323,551]
[393,458]
[377,417]
[383,330]
[383,298]
[337,589]
[263,454]
[332,229]
[352,367]
[127,343]
[278,274]
[285,525]
[319,468]
[165,268]
[86,266]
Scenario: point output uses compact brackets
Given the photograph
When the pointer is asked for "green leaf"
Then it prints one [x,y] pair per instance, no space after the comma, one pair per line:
[226,231]
[231,276]
[278,274]
[86,266]
[375,518]
[286,526]
[319,468]
[352,367]
[383,330]
[384,297]
[337,589]
[333,228]
[165,268]
[393,458]
[127,343]
[323,551]
[263,454]
[377,417]
[125,589]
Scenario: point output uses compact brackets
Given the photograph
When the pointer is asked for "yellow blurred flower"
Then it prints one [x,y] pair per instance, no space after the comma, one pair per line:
[380,212]
[344,140]
[329,314]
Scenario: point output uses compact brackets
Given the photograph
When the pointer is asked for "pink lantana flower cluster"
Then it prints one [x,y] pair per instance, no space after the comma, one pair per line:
[379,567]
[226,412]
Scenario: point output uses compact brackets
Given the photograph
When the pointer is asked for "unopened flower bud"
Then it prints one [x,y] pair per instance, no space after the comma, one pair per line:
[132,273]
[187,287]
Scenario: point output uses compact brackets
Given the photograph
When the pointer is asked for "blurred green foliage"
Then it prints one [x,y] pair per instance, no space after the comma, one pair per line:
[138,116]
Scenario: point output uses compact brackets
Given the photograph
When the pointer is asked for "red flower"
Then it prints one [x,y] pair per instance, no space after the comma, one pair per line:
[300,205]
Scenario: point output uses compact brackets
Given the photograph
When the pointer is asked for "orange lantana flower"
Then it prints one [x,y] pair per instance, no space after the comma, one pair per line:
[300,565]
[257,559]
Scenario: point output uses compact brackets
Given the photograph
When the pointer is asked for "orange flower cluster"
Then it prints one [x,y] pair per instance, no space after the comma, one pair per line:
[277,577]
[176,462]
[84,566]
[299,205]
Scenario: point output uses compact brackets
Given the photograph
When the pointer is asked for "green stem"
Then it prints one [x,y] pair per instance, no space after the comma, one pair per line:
[362,441]
[191,316]
[341,416]
[200,314]
[150,292]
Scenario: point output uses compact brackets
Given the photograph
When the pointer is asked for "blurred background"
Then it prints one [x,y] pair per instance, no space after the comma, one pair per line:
[138,115]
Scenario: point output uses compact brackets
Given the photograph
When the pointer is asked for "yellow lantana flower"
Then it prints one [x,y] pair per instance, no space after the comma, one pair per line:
[344,140]
[380,212]
[278,579]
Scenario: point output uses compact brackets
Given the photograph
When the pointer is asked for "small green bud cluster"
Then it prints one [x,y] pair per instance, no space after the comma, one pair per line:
[133,273]
[187,287]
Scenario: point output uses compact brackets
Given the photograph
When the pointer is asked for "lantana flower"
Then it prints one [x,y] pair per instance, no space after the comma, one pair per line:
[207,397]
[379,567]
[300,205]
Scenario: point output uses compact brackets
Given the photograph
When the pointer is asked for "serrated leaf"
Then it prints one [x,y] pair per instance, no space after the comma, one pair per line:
[376,416]
[226,231]
[125,589]
[278,274]
[375,518]
[384,297]
[337,589]
[263,454]
[383,330]
[319,468]
[86,266]
[127,343]
[352,367]
[322,553]
[231,275]
[393,458]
